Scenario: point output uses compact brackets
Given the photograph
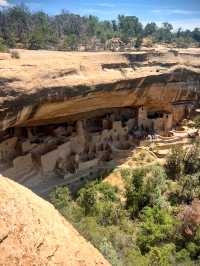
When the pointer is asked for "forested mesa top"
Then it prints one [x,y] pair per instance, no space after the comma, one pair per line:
[23,29]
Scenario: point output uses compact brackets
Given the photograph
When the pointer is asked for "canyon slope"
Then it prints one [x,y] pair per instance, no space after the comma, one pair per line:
[32,232]
[45,87]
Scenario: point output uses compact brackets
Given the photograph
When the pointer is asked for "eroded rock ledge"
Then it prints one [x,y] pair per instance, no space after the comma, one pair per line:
[55,85]
[58,104]
[32,232]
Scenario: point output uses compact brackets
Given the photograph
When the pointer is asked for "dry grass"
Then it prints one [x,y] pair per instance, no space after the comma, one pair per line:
[34,68]
[142,157]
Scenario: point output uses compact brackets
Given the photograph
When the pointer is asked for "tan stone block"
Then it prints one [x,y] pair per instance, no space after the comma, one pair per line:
[48,160]
[23,163]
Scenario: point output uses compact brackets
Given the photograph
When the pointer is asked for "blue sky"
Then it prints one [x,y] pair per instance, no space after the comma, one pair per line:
[181,13]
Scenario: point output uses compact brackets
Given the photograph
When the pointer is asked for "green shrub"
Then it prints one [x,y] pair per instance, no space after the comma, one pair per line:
[183,258]
[109,252]
[134,257]
[183,42]
[108,192]
[145,188]
[189,187]
[60,197]
[91,230]
[135,197]
[157,226]
[155,185]
[3,47]
[108,213]
[174,164]
[156,237]
[122,240]
[191,159]
[162,256]
[193,249]
[126,174]
[186,189]
[87,198]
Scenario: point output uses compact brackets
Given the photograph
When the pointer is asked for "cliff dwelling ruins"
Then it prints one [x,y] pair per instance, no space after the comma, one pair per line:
[82,144]
[76,117]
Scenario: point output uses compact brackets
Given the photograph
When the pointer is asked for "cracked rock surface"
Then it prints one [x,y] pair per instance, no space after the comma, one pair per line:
[32,232]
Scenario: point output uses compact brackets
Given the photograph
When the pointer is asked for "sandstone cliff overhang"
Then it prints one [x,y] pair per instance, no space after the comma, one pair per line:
[57,86]
[32,232]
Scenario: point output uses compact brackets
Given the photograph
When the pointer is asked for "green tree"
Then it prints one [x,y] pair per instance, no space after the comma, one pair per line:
[3,47]
[155,185]
[41,36]
[71,42]
[174,164]
[129,26]
[87,199]
[19,23]
[196,35]
[157,226]
[92,24]
[145,188]
[108,192]
[135,197]
[18,26]
[150,29]
[164,33]
[108,213]
[36,41]
[114,25]
[191,159]
[189,187]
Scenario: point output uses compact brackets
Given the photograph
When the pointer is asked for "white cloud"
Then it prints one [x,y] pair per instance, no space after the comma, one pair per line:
[184,12]
[175,11]
[4,3]
[156,11]
[100,12]
[108,5]
[185,24]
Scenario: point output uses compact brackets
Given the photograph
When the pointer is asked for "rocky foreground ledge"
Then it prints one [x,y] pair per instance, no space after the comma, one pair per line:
[45,87]
[32,232]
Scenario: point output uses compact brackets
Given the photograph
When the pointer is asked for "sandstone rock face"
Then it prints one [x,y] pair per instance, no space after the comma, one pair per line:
[56,86]
[32,232]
